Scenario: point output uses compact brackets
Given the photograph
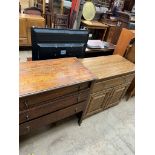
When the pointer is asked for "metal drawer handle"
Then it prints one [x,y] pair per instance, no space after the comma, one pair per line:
[26,103]
[27,117]
[28,128]
[76,109]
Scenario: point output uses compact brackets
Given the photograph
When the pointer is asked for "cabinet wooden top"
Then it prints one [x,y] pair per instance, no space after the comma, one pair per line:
[39,76]
[27,16]
[108,66]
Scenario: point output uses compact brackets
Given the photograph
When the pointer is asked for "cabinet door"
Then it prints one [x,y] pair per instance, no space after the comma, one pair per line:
[116,96]
[35,23]
[98,101]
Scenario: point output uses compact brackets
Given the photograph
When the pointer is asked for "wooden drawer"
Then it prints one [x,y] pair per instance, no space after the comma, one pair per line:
[99,86]
[31,101]
[51,106]
[22,41]
[50,118]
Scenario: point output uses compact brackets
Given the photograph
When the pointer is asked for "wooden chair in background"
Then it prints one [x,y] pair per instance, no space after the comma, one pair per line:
[123,19]
[126,48]
[60,21]
[123,41]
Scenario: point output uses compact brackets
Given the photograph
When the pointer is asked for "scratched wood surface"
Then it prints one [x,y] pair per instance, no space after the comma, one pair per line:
[40,76]
[108,66]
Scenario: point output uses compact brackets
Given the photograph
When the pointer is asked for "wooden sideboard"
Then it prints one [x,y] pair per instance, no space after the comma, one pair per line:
[25,23]
[114,74]
[51,90]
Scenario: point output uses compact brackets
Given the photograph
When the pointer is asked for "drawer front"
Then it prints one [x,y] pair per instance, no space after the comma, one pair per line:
[99,86]
[50,118]
[52,106]
[31,101]
[22,41]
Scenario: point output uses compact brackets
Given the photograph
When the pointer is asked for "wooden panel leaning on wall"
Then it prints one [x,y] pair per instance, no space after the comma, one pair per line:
[25,24]
[51,90]
[114,74]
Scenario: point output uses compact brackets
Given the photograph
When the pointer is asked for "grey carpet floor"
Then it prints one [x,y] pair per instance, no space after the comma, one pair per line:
[110,132]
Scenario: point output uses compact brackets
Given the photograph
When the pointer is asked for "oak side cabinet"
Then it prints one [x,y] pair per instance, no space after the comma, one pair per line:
[114,74]
[25,23]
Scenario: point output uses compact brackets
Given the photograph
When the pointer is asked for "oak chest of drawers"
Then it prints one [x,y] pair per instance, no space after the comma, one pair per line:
[114,75]
[51,90]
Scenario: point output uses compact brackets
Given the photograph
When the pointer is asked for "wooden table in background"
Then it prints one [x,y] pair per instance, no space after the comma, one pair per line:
[95,25]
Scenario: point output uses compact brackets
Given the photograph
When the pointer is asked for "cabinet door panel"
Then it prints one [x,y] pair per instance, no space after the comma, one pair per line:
[97,101]
[117,94]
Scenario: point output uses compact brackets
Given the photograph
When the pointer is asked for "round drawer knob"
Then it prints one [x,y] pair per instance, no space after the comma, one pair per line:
[76,109]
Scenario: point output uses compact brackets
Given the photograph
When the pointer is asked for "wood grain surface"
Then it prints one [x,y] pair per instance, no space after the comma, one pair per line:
[27,16]
[40,76]
[108,66]
[123,41]
[94,24]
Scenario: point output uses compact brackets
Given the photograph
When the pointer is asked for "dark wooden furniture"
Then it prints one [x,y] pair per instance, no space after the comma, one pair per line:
[113,33]
[51,90]
[92,52]
[114,74]
[47,11]
[32,11]
[60,21]
[128,5]
[115,26]
[123,19]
